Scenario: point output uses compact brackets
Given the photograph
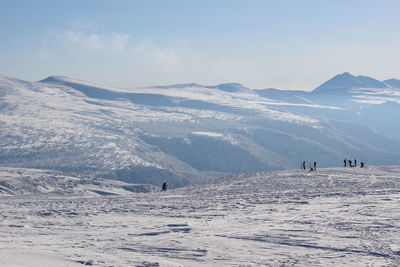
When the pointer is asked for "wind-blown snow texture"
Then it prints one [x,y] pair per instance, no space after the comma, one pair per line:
[331,217]
[189,133]
[32,182]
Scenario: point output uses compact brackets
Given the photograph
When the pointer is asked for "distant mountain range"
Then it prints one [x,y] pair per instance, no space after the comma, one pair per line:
[189,133]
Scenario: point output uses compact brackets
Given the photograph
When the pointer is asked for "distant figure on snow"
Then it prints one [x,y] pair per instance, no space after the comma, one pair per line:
[315,165]
[164,187]
[304,165]
[350,163]
[355,163]
[345,162]
[362,164]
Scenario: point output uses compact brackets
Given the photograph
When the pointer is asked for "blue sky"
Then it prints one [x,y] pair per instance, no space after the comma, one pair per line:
[283,44]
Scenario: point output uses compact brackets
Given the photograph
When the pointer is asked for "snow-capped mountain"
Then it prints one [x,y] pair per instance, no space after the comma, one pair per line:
[189,133]
[347,81]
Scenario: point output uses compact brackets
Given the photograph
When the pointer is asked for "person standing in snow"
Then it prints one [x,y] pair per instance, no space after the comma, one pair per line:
[164,187]
[315,165]
[350,163]
[304,165]
[362,164]
[345,162]
[355,163]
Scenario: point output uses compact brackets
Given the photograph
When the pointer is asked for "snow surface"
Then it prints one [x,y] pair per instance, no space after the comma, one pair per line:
[24,181]
[328,217]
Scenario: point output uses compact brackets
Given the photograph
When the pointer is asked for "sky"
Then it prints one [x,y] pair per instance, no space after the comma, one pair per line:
[284,44]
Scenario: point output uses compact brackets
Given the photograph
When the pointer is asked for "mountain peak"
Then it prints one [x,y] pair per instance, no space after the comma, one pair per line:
[394,83]
[74,83]
[58,78]
[230,87]
[346,81]
[346,74]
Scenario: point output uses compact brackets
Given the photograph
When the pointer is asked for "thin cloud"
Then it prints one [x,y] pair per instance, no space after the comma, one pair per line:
[75,40]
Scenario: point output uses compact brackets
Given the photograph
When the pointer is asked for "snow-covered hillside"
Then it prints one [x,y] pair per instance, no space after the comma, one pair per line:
[190,133]
[33,182]
[328,217]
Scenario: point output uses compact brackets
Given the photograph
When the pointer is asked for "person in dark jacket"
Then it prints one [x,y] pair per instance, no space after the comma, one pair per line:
[164,187]
[315,165]
[345,162]
[350,163]
[355,163]
[362,164]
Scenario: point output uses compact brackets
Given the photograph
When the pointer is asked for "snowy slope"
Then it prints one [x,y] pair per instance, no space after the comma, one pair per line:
[189,133]
[331,217]
[32,182]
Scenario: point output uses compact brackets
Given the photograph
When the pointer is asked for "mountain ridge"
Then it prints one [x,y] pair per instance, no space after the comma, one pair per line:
[339,83]
[152,135]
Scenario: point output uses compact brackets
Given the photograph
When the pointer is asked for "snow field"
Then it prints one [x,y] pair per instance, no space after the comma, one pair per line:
[331,217]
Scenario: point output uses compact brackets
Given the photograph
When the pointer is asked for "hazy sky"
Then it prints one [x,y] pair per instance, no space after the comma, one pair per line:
[283,44]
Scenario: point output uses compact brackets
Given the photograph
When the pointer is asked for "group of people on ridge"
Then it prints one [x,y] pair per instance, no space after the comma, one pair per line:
[346,162]
[350,163]
[312,168]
